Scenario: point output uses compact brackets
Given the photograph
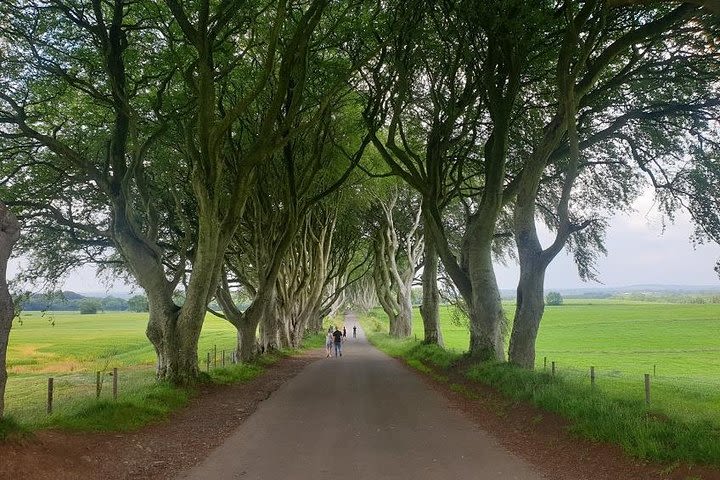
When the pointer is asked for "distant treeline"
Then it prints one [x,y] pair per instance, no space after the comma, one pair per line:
[693,298]
[73,302]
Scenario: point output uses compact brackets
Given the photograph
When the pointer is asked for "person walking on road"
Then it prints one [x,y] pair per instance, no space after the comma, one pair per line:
[338,342]
[354,331]
[344,333]
[328,343]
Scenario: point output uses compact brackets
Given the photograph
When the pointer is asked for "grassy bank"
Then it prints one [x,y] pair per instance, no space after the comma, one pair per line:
[678,345]
[71,348]
[681,424]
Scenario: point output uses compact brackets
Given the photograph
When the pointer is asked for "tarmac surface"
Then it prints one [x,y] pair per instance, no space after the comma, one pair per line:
[360,416]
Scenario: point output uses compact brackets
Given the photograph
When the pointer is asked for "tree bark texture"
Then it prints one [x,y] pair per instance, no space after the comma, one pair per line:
[430,308]
[9,235]
[394,268]
[485,308]
[304,276]
[528,313]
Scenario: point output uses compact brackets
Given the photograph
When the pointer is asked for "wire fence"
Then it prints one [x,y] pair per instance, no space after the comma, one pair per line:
[692,396]
[32,397]
[614,372]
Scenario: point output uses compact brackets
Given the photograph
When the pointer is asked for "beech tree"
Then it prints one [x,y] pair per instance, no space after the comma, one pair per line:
[311,166]
[302,280]
[171,108]
[701,193]
[555,80]
[222,158]
[605,88]
[468,65]
[361,297]
[397,251]
[75,127]
[9,235]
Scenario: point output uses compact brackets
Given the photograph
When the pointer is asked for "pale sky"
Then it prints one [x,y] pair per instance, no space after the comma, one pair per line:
[639,252]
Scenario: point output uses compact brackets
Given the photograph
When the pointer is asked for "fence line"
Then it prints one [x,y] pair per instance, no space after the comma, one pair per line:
[649,386]
[611,372]
[57,391]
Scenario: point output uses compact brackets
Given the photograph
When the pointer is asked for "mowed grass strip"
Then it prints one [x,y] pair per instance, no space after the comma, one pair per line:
[623,341]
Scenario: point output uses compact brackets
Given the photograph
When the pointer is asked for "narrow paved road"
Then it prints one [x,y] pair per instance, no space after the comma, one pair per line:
[359,416]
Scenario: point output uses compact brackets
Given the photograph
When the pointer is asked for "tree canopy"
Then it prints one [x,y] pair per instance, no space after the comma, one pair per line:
[238,153]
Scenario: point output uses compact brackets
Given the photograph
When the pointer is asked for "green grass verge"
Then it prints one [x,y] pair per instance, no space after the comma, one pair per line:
[73,347]
[641,431]
[10,428]
[617,415]
[130,412]
[425,358]
[677,344]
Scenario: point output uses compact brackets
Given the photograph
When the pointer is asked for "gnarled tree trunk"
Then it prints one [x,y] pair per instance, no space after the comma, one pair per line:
[485,306]
[528,313]
[9,235]
[394,268]
[430,308]
[534,260]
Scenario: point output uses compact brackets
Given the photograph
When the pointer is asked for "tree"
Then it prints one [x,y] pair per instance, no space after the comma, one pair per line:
[113,304]
[455,88]
[302,279]
[89,306]
[605,94]
[290,186]
[361,296]
[397,250]
[153,145]
[9,235]
[87,174]
[138,303]
[553,298]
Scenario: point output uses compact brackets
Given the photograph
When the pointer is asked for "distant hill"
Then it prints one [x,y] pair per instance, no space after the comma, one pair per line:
[608,292]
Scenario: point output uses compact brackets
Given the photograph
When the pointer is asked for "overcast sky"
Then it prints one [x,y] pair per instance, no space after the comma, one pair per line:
[639,252]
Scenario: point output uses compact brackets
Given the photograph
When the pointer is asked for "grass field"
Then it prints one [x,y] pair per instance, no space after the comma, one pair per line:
[678,344]
[620,337]
[71,347]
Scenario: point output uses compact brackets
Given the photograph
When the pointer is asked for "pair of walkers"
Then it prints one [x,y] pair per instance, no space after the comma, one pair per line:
[334,339]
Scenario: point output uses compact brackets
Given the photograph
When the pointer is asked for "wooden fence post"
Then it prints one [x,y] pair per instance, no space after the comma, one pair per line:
[553,368]
[223,358]
[115,383]
[545,363]
[50,395]
[98,385]
[592,377]
[208,362]
[215,357]
[647,388]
